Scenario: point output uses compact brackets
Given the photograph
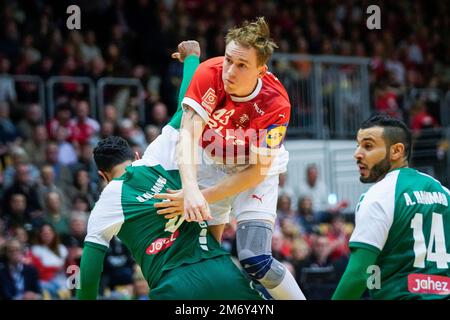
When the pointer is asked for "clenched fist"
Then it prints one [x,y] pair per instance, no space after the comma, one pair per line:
[186,48]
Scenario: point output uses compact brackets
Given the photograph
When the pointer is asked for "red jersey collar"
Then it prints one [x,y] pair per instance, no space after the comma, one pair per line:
[251,95]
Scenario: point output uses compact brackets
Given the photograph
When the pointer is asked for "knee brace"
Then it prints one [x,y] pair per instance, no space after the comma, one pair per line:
[254,239]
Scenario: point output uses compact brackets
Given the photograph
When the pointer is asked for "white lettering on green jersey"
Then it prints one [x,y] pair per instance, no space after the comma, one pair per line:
[126,209]
[405,217]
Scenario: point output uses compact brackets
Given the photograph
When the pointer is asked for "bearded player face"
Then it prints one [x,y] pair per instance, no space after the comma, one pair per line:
[372,155]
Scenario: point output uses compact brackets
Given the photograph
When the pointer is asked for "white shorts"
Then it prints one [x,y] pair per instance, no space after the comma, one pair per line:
[259,202]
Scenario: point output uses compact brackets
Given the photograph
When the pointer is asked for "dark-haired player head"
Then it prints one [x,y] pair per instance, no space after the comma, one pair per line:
[384,144]
[112,155]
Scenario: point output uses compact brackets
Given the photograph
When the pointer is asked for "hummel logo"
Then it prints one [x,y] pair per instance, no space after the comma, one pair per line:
[254,196]
[258,110]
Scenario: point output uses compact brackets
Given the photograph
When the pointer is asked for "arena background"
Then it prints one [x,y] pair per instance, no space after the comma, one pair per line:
[117,71]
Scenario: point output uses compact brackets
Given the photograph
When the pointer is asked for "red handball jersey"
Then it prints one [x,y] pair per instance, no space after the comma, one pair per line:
[236,125]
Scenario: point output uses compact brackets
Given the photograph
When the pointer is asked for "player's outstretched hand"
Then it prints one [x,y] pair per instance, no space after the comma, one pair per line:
[172,204]
[196,207]
[185,49]
[193,206]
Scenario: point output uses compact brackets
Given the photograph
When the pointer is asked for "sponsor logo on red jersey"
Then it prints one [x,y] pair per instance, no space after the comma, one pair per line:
[258,109]
[161,243]
[275,135]
[209,100]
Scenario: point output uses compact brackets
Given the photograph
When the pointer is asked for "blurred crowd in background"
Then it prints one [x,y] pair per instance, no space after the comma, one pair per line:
[49,182]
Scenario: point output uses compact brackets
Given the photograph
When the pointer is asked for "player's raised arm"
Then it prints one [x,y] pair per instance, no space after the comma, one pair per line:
[197,109]
[163,148]
[195,205]
[189,54]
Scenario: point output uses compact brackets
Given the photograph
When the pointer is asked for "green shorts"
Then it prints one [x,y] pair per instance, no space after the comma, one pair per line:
[210,279]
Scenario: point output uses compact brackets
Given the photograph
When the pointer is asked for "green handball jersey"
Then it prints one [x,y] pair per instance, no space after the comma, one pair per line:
[406,219]
[126,209]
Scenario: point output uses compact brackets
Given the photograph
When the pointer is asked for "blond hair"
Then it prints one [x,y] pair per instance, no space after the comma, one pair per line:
[255,34]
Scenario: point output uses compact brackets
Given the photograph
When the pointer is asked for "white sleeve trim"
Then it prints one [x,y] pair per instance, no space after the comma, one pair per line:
[197,107]
[375,213]
[107,232]
[107,216]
